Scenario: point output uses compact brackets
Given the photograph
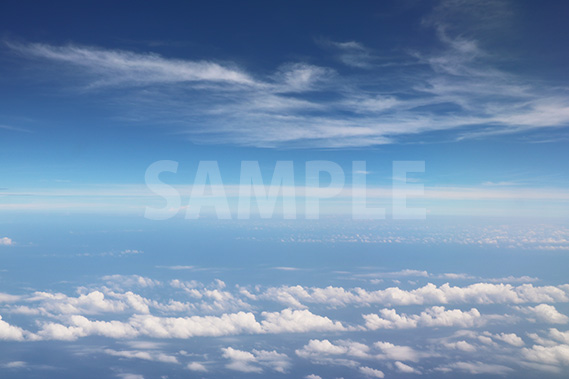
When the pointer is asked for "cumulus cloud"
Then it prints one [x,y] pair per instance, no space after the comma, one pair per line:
[10,333]
[341,352]
[398,353]
[121,314]
[273,360]
[286,321]
[315,348]
[213,296]
[298,321]
[213,299]
[5,241]
[478,293]
[187,327]
[94,302]
[552,355]
[251,362]
[406,369]
[350,353]
[559,336]
[431,317]
[80,326]
[241,360]
[509,338]
[545,313]
[371,372]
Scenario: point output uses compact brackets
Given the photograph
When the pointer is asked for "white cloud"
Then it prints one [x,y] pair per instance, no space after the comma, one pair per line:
[131,252]
[460,345]
[300,77]
[63,317]
[431,317]
[438,316]
[350,53]
[341,353]
[187,327]
[478,368]
[513,279]
[553,355]
[455,276]
[145,345]
[559,336]
[14,365]
[91,303]
[298,321]
[10,333]
[116,67]
[145,355]
[251,362]
[398,274]
[286,268]
[406,369]
[5,241]
[7,298]
[128,281]
[389,320]
[196,366]
[80,326]
[312,376]
[214,297]
[478,293]
[315,348]
[371,372]
[178,267]
[349,353]
[509,338]
[286,321]
[546,313]
[398,353]
[273,360]
[241,360]
[130,376]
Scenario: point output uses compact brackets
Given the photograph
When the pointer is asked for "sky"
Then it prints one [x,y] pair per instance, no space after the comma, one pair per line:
[110,111]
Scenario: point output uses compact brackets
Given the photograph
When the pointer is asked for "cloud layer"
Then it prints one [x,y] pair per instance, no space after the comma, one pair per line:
[144,325]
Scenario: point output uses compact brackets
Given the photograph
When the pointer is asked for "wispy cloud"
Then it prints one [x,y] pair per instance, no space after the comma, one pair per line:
[117,67]
[14,128]
[455,89]
[350,53]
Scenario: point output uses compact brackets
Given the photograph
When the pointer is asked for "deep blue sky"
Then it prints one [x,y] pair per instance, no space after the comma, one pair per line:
[92,93]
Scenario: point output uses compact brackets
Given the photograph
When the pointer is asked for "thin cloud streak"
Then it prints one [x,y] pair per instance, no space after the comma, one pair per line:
[456,91]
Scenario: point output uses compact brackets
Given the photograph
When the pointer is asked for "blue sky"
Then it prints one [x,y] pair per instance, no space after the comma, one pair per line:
[483,84]
[93,93]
